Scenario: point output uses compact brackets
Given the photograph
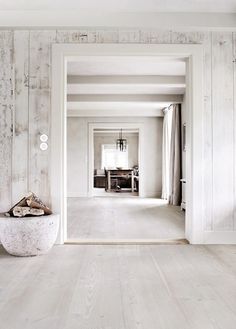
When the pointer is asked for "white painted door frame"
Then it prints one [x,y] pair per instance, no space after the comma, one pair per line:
[193,54]
[113,125]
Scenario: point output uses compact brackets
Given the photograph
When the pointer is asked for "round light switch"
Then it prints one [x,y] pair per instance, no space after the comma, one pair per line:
[43,138]
[43,146]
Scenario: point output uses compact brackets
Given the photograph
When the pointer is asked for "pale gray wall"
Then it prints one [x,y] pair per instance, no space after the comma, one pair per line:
[110,138]
[77,155]
[25,58]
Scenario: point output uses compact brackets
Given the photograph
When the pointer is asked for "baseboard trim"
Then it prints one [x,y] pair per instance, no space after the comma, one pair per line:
[180,241]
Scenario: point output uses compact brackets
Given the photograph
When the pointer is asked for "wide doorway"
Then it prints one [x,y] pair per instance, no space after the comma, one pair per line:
[66,104]
[120,127]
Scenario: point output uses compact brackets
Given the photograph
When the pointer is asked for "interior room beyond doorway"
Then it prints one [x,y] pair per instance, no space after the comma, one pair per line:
[116,162]
[98,166]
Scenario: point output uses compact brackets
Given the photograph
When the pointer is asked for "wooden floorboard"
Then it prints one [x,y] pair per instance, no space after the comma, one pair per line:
[120,287]
[129,218]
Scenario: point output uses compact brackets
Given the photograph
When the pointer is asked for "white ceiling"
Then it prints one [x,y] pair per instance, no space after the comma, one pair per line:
[209,6]
[130,67]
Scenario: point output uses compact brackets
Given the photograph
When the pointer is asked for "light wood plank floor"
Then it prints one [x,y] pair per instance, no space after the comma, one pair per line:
[120,287]
[123,218]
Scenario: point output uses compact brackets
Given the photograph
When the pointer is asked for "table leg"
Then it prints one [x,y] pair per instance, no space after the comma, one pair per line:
[132,181]
[109,180]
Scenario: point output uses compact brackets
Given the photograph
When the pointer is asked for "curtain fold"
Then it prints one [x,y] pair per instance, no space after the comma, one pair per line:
[171,155]
[175,156]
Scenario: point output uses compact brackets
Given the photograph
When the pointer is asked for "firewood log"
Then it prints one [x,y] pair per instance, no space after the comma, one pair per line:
[30,201]
[21,203]
[27,211]
[34,202]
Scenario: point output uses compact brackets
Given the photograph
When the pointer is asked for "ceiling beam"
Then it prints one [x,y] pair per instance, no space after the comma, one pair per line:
[123,89]
[148,112]
[124,98]
[126,85]
[161,80]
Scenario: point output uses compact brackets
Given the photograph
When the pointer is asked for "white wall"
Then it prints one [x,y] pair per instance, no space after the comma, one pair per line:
[110,138]
[77,157]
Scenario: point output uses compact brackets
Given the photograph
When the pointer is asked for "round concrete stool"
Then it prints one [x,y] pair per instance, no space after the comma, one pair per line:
[28,236]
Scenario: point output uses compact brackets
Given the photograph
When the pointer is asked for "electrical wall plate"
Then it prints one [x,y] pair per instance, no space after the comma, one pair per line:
[43,146]
[43,138]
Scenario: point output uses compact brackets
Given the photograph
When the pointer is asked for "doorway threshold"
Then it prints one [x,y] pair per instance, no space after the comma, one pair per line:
[180,241]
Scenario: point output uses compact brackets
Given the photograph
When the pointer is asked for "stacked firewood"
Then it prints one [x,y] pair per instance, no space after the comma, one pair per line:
[30,205]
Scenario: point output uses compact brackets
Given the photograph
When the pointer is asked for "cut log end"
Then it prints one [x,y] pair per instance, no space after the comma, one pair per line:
[30,205]
[27,211]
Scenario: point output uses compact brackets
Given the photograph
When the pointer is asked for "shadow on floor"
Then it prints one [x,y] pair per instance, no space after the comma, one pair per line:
[3,253]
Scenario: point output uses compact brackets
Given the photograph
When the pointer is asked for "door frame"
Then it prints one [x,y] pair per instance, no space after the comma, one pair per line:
[114,125]
[193,54]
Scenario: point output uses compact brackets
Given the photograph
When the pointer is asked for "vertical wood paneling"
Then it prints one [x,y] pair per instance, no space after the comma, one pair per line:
[103,36]
[223,131]
[129,36]
[6,115]
[208,161]
[20,139]
[153,36]
[77,36]
[187,37]
[39,110]
[87,36]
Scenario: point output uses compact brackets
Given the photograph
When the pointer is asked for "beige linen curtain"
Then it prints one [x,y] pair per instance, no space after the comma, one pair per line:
[171,155]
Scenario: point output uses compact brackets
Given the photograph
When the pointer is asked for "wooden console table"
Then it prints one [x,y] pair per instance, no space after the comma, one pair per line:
[120,173]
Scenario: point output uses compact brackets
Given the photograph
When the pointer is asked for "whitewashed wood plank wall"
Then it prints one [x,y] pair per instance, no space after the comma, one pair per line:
[20,148]
[6,117]
[25,58]
[39,110]
[223,131]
